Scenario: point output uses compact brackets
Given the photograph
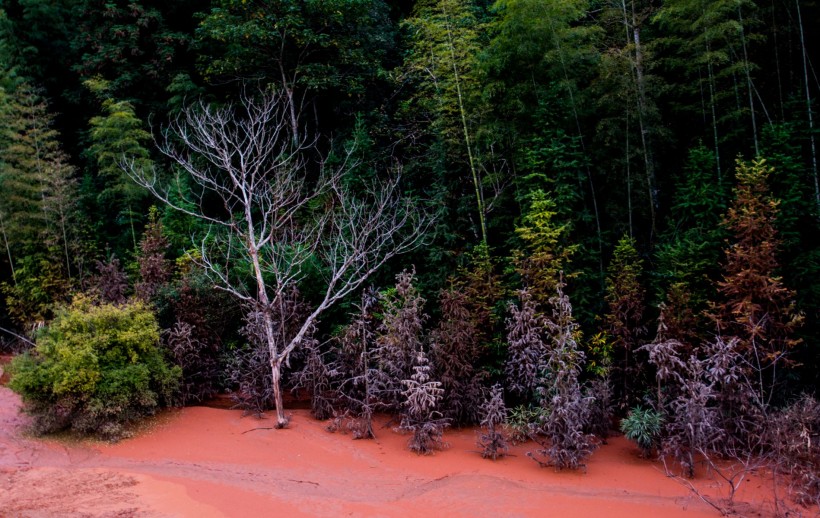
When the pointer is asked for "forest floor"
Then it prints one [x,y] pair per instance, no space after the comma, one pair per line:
[209,462]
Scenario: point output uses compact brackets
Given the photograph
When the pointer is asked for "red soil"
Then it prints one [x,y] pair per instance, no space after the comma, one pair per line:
[208,462]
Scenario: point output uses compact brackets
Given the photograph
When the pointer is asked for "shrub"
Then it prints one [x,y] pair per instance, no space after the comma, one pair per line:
[643,427]
[569,410]
[95,369]
[522,421]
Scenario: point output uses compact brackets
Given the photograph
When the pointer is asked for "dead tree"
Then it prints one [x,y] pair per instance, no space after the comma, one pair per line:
[273,205]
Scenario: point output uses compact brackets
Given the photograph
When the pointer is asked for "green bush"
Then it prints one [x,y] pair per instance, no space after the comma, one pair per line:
[643,427]
[95,369]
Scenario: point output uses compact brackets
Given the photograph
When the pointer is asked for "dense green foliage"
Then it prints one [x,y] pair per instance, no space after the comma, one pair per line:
[95,369]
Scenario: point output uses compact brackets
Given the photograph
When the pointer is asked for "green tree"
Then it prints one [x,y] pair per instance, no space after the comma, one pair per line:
[118,135]
[308,49]
[442,60]
[546,252]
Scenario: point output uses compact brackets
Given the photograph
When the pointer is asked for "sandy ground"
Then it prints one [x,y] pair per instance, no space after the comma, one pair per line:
[208,462]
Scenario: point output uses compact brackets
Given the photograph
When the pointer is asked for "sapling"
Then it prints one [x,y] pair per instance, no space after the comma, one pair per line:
[526,348]
[561,393]
[420,416]
[454,351]
[492,441]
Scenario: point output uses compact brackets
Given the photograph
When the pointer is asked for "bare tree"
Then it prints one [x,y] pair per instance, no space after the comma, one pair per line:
[273,205]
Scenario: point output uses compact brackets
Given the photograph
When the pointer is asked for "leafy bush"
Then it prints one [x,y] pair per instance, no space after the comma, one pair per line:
[522,421]
[95,369]
[643,427]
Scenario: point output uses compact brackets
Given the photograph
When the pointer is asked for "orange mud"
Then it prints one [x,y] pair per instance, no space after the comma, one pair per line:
[207,462]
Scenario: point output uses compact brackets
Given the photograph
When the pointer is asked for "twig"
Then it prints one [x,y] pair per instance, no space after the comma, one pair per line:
[260,428]
[20,337]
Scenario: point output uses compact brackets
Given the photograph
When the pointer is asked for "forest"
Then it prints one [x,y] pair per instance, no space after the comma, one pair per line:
[568,216]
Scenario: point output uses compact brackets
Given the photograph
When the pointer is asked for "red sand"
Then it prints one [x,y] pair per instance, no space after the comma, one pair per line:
[208,462]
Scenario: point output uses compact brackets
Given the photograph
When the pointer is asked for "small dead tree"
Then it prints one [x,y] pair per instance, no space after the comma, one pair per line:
[455,350]
[527,350]
[492,441]
[422,396]
[561,393]
[274,205]
[111,283]
[315,378]
[356,366]
[400,338]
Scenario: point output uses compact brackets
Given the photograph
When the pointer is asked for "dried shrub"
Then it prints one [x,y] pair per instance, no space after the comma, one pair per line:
[315,378]
[356,367]
[199,368]
[420,416]
[599,394]
[794,437]
[249,367]
[624,320]
[454,351]
[399,338]
[197,318]
[693,427]
[110,284]
[527,352]
[492,440]
[569,445]
[155,270]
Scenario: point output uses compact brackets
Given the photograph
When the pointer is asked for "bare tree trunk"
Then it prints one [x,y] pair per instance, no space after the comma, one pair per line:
[748,81]
[571,94]
[712,104]
[808,110]
[8,248]
[643,111]
[276,381]
[467,141]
